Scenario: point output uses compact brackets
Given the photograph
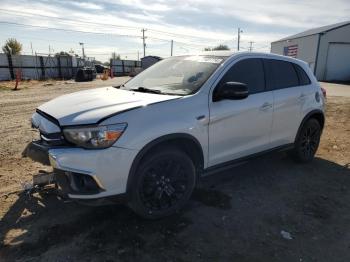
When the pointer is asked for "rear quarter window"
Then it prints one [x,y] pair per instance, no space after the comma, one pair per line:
[280,74]
[302,75]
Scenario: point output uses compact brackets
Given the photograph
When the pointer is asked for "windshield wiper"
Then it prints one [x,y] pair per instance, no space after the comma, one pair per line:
[146,90]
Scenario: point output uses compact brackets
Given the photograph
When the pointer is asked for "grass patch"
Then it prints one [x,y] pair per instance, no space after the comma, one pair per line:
[5,88]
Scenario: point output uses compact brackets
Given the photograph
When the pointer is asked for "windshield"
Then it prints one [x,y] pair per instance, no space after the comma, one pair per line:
[175,75]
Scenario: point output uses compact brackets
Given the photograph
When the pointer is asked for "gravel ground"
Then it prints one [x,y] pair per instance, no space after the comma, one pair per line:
[268,210]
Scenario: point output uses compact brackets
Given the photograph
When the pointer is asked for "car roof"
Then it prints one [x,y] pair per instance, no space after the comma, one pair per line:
[232,54]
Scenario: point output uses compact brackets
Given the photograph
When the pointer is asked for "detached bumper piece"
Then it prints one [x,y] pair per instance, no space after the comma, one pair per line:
[38,152]
[76,183]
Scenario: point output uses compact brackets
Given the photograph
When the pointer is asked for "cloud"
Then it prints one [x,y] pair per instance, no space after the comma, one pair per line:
[145,16]
[287,13]
[155,6]
[87,5]
[191,24]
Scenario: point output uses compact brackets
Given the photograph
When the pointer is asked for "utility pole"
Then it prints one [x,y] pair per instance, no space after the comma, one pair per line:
[251,46]
[239,37]
[31,47]
[171,49]
[82,49]
[144,41]
[138,55]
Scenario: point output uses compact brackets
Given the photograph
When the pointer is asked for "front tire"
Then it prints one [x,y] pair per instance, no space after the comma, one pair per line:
[163,183]
[307,141]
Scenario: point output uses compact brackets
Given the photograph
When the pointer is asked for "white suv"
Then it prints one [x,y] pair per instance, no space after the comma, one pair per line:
[151,139]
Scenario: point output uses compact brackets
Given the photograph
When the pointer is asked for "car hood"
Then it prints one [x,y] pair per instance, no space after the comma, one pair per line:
[90,106]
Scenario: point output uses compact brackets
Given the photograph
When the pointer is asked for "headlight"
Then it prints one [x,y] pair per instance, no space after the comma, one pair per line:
[94,137]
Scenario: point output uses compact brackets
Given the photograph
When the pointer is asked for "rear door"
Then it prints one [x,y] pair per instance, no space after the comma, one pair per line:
[239,128]
[282,79]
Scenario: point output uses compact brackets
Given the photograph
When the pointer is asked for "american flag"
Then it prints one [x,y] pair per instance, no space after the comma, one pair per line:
[291,51]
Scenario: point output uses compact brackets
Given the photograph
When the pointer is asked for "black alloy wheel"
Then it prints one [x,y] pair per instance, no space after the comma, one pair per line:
[307,142]
[164,182]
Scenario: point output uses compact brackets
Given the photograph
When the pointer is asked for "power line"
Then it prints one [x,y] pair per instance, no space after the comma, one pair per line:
[58,41]
[22,13]
[131,53]
[64,30]
[29,14]
[17,13]
[184,43]
[89,32]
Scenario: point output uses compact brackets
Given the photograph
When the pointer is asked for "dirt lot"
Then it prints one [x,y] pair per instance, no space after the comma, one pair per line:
[237,215]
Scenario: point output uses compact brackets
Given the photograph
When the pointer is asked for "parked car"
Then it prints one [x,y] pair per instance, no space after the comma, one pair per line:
[100,68]
[85,74]
[152,139]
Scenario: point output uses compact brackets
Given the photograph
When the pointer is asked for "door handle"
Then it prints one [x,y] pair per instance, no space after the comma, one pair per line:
[266,106]
[302,97]
[200,118]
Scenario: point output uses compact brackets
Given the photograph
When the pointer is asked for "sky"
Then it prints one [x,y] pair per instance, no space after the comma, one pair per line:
[106,26]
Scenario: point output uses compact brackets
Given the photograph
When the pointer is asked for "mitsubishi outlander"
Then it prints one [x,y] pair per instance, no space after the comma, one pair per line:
[153,138]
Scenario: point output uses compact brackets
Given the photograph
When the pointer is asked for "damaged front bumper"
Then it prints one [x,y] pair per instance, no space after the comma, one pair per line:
[82,173]
[67,181]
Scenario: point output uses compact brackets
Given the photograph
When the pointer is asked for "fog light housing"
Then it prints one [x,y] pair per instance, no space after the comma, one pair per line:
[77,183]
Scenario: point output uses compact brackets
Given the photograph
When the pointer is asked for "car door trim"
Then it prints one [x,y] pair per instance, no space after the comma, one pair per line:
[242,160]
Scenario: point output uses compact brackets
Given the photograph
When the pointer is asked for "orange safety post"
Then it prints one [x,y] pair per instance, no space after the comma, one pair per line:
[111,71]
[18,78]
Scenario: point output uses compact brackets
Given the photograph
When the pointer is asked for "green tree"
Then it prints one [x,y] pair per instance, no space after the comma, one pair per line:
[219,47]
[63,53]
[12,47]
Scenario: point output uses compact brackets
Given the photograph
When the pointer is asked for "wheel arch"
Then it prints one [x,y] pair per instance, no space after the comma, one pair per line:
[316,114]
[188,143]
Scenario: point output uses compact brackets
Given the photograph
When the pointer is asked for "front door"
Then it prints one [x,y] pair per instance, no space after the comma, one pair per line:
[238,128]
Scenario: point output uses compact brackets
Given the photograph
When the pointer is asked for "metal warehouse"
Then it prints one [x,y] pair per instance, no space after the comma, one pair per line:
[326,49]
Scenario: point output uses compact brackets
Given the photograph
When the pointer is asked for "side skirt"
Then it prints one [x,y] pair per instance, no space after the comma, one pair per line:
[240,161]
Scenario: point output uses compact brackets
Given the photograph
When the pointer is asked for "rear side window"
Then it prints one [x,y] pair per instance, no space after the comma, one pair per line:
[250,72]
[303,77]
[280,74]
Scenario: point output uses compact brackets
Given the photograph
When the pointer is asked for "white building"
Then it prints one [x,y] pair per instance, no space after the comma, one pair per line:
[326,49]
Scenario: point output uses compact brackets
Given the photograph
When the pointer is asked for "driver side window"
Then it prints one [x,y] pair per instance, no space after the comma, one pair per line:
[248,71]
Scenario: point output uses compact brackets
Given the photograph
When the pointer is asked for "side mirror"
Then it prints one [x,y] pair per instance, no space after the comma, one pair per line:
[231,91]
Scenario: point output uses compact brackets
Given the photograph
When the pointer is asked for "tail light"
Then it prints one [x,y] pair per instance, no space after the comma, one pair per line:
[324,92]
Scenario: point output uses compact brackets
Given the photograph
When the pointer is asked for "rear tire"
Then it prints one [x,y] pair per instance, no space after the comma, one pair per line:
[163,183]
[307,142]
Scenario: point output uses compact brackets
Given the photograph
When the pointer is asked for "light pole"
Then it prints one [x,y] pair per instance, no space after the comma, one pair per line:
[144,41]
[251,46]
[82,48]
[171,47]
[239,37]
